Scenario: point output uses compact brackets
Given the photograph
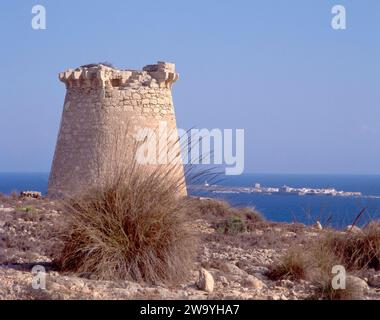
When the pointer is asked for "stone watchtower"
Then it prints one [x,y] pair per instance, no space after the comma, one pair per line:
[102,109]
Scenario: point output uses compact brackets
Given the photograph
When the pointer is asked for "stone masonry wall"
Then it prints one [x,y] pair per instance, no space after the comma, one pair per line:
[102,109]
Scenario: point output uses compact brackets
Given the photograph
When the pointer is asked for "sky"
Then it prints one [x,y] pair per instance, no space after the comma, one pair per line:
[306,95]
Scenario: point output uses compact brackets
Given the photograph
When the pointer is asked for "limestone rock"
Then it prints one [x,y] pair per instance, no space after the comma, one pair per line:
[374,280]
[2,209]
[357,283]
[353,229]
[318,225]
[258,271]
[223,280]
[205,281]
[253,282]
[31,194]
[232,268]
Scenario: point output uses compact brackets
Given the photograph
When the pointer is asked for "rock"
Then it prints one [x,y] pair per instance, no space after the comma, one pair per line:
[357,283]
[205,281]
[233,295]
[253,282]
[374,280]
[286,283]
[353,229]
[233,269]
[31,194]
[290,234]
[255,270]
[318,225]
[259,276]
[312,234]
[223,280]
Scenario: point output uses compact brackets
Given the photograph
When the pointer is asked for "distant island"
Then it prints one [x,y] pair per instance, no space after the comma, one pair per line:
[284,190]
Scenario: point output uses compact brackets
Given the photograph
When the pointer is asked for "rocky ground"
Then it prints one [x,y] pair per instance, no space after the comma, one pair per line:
[227,267]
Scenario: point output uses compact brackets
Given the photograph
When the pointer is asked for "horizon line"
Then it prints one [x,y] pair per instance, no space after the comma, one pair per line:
[245,173]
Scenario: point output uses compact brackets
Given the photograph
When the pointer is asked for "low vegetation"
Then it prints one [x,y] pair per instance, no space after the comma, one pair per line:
[232,225]
[210,209]
[134,228]
[293,266]
[26,209]
[357,251]
[226,219]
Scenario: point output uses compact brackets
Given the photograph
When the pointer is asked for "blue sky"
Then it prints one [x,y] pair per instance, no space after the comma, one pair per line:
[306,95]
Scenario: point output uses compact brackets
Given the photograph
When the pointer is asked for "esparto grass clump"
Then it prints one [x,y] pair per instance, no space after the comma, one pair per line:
[133,228]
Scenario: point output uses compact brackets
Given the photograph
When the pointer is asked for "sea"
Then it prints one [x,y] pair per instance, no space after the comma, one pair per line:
[337,212]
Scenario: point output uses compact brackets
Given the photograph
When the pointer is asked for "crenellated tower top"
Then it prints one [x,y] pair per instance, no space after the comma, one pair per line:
[160,75]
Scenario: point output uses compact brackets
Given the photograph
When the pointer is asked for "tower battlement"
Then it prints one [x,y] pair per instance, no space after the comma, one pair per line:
[103,108]
[160,75]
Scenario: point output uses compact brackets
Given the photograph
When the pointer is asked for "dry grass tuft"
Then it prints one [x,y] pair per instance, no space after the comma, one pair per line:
[14,195]
[356,250]
[293,266]
[210,209]
[133,227]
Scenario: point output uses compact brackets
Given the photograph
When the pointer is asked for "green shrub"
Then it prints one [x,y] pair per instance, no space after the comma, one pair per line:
[26,209]
[251,216]
[232,225]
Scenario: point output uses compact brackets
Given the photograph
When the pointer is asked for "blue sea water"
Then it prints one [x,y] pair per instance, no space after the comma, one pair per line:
[10,182]
[337,211]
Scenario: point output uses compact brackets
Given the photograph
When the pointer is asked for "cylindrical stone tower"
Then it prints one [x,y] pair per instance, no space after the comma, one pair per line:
[103,109]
